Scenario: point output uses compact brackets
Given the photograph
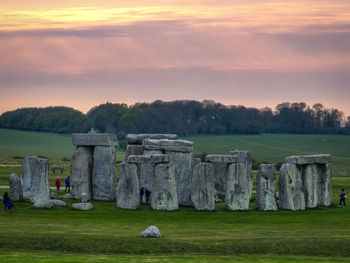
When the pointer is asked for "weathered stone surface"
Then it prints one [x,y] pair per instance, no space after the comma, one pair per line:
[237,187]
[94,139]
[266,188]
[168,145]
[128,193]
[81,172]
[138,138]
[291,194]
[325,185]
[103,175]
[151,231]
[67,196]
[309,159]
[43,204]
[219,158]
[220,170]
[133,150]
[147,159]
[84,198]
[182,162]
[54,195]
[310,185]
[195,162]
[202,187]
[15,188]
[164,196]
[56,202]
[82,206]
[35,178]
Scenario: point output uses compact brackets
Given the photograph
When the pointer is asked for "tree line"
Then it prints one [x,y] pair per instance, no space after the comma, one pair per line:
[183,117]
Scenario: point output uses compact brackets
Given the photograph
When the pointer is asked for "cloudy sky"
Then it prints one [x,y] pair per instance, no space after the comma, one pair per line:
[247,52]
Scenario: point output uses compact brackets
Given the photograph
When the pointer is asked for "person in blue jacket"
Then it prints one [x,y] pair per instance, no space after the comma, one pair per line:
[8,203]
[67,182]
[342,197]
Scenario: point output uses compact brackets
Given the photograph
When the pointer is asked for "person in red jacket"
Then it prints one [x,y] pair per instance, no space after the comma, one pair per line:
[58,183]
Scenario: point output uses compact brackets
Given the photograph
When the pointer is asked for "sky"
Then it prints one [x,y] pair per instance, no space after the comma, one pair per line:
[253,52]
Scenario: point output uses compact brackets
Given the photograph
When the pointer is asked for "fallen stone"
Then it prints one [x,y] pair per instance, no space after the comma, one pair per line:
[15,188]
[54,195]
[309,159]
[168,145]
[218,158]
[325,185]
[266,188]
[82,206]
[84,198]
[94,139]
[310,185]
[133,150]
[67,196]
[151,231]
[56,202]
[138,138]
[43,204]
[128,193]
[146,159]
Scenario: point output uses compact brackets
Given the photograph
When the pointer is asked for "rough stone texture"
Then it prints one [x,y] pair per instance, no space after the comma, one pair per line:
[81,172]
[237,192]
[291,194]
[202,187]
[67,196]
[266,188]
[94,139]
[310,185]
[219,158]
[195,162]
[325,185]
[309,159]
[147,159]
[151,231]
[84,198]
[82,206]
[133,150]
[103,175]
[168,145]
[183,173]
[43,204]
[128,193]
[138,138]
[15,188]
[56,202]
[220,170]
[145,174]
[54,195]
[35,178]
[164,196]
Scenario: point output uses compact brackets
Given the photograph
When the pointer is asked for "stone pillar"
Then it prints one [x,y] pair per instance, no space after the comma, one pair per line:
[133,150]
[291,195]
[15,188]
[202,187]
[325,184]
[266,188]
[128,191]
[310,185]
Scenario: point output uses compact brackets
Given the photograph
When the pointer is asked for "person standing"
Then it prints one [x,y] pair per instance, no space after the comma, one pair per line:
[58,183]
[67,182]
[342,196]
[142,191]
[8,203]
[148,194]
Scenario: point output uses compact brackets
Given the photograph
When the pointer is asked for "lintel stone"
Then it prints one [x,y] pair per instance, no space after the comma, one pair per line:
[309,159]
[94,139]
[218,158]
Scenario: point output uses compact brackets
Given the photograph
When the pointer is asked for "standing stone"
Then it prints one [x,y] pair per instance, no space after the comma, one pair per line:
[220,170]
[291,188]
[266,188]
[133,150]
[164,196]
[310,185]
[81,172]
[103,175]
[202,188]
[325,185]
[237,191]
[15,188]
[84,198]
[35,178]
[128,193]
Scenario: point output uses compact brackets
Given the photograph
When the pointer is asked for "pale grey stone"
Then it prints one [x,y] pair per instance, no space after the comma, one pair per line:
[82,206]
[138,138]
[81,172]
[94,139]
[195,162]
[220,158]
[133,150]
[128,193]
[151,231]
[266,188]
[310,185]
[103,175]
[325,185]
[291,194]
[202,187]
[164,196]
[54,195]
[220,171]
[145,174]
[237,187]
[168,145]
[182,162]
[151,152]
[84,198]
[15,187]
[43,204]
[35,178]
[147,159]
[309,159]
[56,202]
[1,198]
[67,196]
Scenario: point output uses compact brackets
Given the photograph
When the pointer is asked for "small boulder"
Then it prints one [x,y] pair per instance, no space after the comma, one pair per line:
[151,231]
[82,206]
[43,204]
[67,196]
[58,202]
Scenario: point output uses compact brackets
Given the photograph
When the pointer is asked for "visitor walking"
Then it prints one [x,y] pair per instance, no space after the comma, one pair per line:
[67,182]
[8,203]
[142,192]
[148,194]
[58,183]
[342,196]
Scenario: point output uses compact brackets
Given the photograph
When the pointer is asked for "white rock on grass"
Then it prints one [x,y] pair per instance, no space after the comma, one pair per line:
[67,196]
[56,202]
[151,231]
[82,206]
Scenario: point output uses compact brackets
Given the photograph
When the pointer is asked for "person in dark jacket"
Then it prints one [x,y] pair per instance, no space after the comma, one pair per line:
[148,194]
[342,197]
[67,182]
[8,203]
[142,191]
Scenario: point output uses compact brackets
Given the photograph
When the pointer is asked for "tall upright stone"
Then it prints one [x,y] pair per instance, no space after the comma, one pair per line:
[310,185]
[15,187]
[81,172]
[164,195]
[325,185]
[128,193]
[291,195]
[266,188]
[202,187]
[103,175]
